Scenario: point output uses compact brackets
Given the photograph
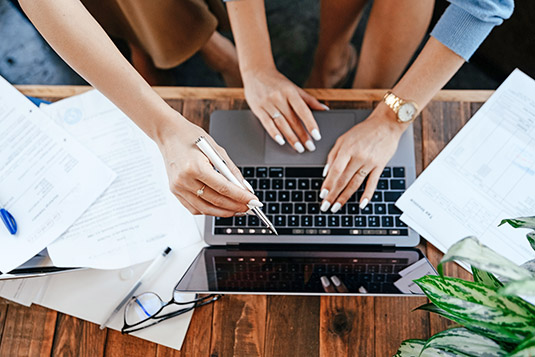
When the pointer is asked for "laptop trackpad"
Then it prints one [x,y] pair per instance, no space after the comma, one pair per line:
[331,125]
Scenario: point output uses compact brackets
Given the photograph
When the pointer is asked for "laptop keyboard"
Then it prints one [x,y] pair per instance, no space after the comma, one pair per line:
[291,201]
[303,274]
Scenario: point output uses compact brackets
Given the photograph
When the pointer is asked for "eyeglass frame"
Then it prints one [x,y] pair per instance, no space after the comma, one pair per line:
[197,302]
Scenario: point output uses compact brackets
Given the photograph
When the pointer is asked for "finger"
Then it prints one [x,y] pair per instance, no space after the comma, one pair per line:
[282,124]
[206,207]
[351,188]
[297,126]
[188,206]
[312,102]
[223,202]
[371,185]
[235,170]
[339,284]
[326,283]
[340,172]
[303,112]
[269,125]
[220,184]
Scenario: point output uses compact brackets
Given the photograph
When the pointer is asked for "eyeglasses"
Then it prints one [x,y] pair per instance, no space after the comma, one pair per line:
[144,310]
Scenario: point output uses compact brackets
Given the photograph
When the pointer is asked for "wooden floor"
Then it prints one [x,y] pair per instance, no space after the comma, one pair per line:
[260,325]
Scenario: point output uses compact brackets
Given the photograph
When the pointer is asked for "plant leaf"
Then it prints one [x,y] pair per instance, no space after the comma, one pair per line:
[486,278]
[511,318]
[520,222]
[531,239]
[461,341]
[471,251]
[526,348]
[519,287]
[529,265]
[410,348]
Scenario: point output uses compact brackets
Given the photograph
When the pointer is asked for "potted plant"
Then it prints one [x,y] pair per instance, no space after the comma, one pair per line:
[492,313]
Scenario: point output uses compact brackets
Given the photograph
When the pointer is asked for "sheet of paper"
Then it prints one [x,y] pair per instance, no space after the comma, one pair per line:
[485,174]
[138,216]
[23,291]
[90,294]
[47,179]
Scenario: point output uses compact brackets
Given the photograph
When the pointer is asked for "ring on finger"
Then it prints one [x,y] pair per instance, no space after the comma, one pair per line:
[276,115]
[363,173]
[201,191]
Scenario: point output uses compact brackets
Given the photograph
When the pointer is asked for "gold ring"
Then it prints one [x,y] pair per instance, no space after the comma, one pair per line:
[201,191]
[276,115]
[363,173]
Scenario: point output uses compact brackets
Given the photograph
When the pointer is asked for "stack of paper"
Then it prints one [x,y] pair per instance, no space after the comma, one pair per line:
[485,174]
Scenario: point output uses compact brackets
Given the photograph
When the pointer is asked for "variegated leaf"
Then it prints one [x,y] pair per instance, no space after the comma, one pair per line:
[525,349]
[520,222]
[410,348]
[479,327]
[471,251]
[471,302]
[486,278]
[461,341]
[433,352]
[531,239]
[529,265]
[519,287]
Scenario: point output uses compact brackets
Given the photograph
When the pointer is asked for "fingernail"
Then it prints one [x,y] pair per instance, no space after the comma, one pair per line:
[248,185]
[250,212]
[325,170]
[324,193]
[325,281]
[310,145]
[325,106]
[363,204]
[280,140]
[336,207]
[299,147]
[255,203]
[325,206]
[335,280]
[239,214]
[316,134]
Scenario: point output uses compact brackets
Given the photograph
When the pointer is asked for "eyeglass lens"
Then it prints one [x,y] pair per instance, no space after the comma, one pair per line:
[142,307]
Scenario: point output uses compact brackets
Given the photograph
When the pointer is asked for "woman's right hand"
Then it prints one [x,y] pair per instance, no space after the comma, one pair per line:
[283,108]
[189,171]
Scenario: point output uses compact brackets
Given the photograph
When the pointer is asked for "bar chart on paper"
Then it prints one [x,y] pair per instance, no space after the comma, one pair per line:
[484,175]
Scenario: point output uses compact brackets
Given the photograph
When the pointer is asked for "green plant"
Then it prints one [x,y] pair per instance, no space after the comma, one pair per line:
[492,316]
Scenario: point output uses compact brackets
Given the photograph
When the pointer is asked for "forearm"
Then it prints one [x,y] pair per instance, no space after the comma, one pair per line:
[249,27]
[75,35]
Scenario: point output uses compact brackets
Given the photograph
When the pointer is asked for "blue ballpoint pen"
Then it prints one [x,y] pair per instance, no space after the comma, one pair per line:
[9,221]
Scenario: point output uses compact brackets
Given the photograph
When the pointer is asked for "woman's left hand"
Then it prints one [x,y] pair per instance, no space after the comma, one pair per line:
[361,152]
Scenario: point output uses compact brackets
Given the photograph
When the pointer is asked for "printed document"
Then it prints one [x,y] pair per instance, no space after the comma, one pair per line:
[138,216]
[47,179]
[485,174]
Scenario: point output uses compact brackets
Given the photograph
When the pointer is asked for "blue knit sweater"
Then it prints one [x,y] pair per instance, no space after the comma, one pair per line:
[466,23]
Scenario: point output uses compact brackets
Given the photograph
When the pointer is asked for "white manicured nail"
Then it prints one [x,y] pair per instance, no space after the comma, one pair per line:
[336,281]
[325,106]
[255,203]
[248,186]
[325,170]
[316,134]
[325,206]
[250,212]
[325,281]
[299,148]
[336,207]
[363,204]
[239,214]
[280,140]
[310,145]
[324,193]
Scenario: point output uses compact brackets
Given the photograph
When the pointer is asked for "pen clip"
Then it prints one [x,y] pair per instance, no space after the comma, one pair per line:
[9,221]
[202,138]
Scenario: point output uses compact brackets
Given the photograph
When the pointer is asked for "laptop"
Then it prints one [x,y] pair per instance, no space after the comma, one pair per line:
[353,251]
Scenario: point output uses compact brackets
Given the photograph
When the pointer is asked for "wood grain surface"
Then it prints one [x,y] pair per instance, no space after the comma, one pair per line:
[260,325]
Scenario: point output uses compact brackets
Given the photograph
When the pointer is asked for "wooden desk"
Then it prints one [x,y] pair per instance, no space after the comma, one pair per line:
[260,325]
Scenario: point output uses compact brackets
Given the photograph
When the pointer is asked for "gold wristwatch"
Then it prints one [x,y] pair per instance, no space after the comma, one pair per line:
[405,110]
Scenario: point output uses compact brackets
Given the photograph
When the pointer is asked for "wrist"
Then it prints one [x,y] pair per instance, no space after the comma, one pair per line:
[383,116]
[168,128]
[255,68]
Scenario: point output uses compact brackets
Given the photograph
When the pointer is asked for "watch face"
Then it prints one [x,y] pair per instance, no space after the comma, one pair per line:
[406,112]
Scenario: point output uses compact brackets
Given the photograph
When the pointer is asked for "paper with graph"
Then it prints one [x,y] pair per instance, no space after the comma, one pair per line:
[485,174]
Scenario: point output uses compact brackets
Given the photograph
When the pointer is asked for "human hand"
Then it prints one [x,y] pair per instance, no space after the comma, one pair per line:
[192,178]
[361,152]
[283,108]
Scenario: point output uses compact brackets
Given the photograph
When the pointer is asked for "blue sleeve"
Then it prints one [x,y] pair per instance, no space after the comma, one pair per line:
[466,23]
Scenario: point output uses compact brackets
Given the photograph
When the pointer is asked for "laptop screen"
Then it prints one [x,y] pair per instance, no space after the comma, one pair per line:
[317,271]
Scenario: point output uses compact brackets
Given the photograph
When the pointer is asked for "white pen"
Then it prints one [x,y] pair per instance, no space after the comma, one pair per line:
[156,264]
[221,166]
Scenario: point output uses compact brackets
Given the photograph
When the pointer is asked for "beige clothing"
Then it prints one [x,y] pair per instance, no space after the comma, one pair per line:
[169,31]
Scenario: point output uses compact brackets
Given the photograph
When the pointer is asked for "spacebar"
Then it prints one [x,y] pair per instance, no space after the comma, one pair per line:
[306,172]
